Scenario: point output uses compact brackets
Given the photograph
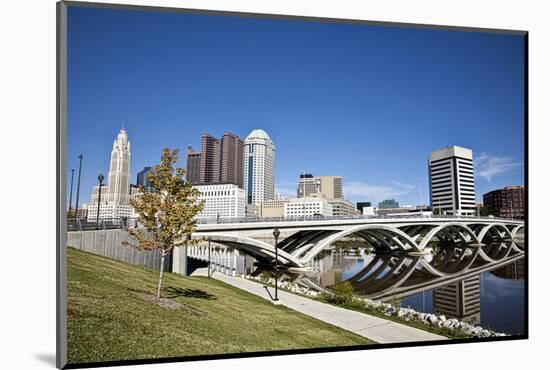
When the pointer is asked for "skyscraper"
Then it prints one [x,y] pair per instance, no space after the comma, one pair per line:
[115,195]
[210,160]
[259,167]
[220,161]
[451,172]
[193,171]
[118,191]
[231,159]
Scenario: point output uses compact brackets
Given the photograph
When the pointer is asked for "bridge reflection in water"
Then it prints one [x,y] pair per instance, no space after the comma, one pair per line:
[447,281]
[391,276]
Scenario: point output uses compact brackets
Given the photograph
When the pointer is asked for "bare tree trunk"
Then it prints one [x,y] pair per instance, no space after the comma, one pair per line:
[161,273]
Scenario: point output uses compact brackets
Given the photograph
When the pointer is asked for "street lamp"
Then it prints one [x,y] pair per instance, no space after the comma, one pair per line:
[276,234]
[100,178]
[71,193]
[209,241]
[78,185]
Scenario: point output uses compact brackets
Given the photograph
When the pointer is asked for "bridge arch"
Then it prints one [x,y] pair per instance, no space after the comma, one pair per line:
[258,249]
[496,227]
[459,228]
[382,233]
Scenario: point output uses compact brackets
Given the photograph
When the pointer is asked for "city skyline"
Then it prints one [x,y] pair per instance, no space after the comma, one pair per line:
[372,119]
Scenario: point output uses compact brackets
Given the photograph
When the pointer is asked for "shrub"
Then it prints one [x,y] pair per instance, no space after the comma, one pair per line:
[343,293]
[265,276]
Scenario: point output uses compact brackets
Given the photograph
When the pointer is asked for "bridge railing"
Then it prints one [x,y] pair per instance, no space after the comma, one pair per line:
[207,221]
[83,224]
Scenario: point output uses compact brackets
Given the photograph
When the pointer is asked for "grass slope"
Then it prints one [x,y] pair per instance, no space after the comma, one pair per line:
[107,321]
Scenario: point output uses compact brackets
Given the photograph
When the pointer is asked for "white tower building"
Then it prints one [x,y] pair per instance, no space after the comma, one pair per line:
[115,195]
[259,167]
[119,171]
[452,181]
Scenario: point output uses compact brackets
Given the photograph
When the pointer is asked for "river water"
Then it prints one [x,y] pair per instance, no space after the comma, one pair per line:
[494,298]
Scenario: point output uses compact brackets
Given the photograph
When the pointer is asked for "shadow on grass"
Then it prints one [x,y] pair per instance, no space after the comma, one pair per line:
[172,292]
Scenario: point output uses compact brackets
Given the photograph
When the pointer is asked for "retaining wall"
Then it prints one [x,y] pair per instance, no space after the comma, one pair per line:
[108,243]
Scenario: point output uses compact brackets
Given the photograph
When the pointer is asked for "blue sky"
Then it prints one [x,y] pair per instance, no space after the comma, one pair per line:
[368,103]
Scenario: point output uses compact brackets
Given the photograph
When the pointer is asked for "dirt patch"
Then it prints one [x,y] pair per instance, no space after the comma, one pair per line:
[169,304]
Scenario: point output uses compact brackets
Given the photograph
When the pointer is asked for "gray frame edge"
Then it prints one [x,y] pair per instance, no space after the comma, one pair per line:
[61,196]
[198,11]
[289,17]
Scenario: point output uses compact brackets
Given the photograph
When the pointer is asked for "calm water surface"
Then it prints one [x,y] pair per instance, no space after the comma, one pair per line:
[493,299]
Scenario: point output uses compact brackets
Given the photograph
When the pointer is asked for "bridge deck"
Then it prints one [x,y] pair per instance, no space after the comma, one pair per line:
[267,224]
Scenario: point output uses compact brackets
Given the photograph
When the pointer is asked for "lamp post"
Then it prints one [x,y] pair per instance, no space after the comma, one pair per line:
[100,178]
[71,193]
[276,234]
[78,185]
[209,241]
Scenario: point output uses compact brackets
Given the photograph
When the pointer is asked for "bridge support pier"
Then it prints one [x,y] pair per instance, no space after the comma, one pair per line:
[180,261]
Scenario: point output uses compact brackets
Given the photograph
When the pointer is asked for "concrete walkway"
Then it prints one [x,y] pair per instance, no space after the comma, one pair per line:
[375,328]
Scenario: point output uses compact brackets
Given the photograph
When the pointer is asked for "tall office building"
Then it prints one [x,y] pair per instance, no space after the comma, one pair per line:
[115,195]
[259,167]
[330,187]
[231,159]
[193,166]
[143,180]
[451,172]
[220,161]
[210,160]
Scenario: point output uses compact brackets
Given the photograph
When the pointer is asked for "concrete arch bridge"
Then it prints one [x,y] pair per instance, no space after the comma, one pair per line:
[301,240]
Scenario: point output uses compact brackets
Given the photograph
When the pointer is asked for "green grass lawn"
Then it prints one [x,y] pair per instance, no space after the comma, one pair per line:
[108,321]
